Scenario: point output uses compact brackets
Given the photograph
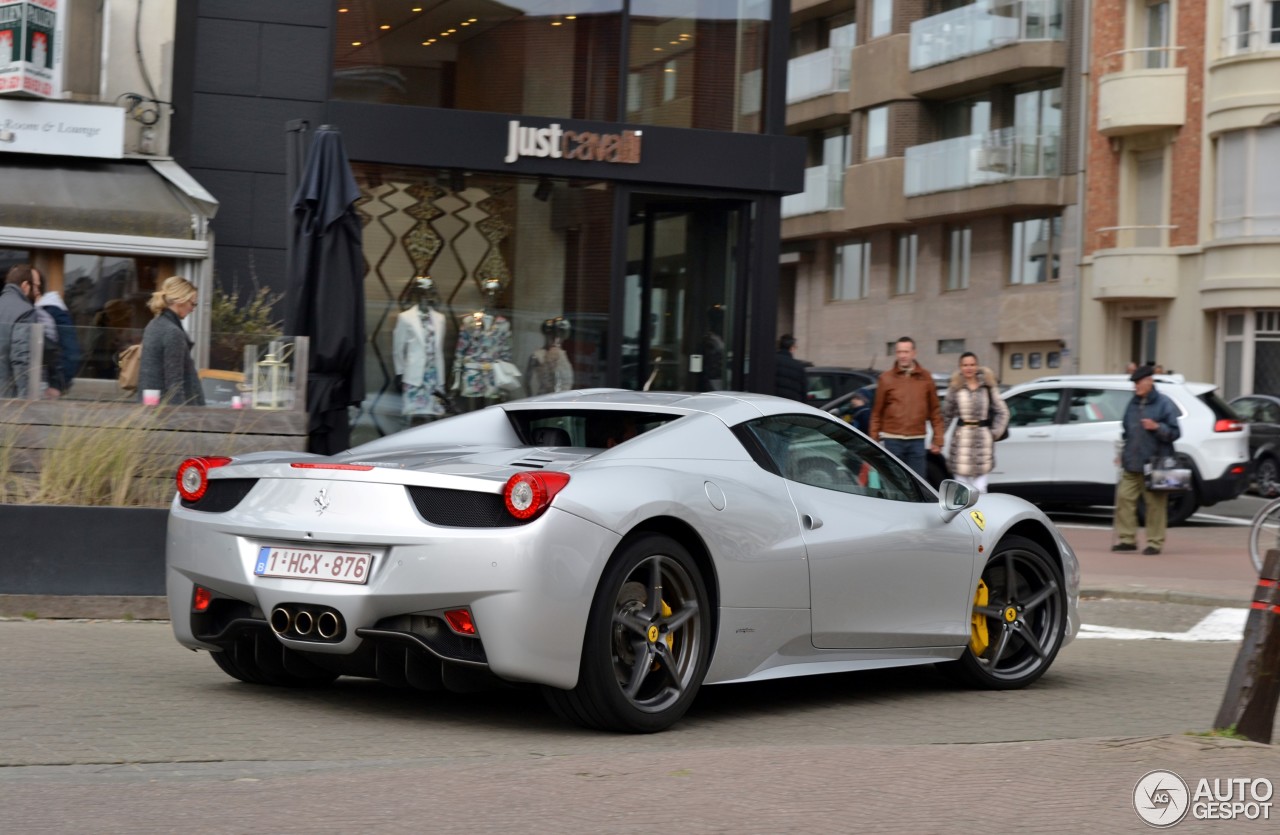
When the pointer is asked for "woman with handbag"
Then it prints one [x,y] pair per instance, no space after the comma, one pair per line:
[973,401]
[1150,428]
[166,366]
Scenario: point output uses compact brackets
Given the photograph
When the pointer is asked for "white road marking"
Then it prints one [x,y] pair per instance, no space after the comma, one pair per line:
[1218,625]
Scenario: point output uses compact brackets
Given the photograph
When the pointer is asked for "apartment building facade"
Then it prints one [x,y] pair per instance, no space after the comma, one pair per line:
[942,184]
[1183,262]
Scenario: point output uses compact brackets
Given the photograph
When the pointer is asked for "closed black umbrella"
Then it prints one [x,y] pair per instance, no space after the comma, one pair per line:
[326,290]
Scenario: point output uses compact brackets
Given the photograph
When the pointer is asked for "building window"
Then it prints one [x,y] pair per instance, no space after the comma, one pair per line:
[904,267]
[959,245]
[1148,211]
[881,17]
[1015,361]
[1251,25]
[1053,359]
[1034,255]
[950,346]
[1249,352]
[877,132]
[1248,183]
[852,268]
[1033,359]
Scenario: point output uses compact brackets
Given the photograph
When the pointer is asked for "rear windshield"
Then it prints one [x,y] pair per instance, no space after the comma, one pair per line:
[1221,409]
[598,429]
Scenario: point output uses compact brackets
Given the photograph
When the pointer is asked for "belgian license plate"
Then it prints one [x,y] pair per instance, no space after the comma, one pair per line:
[313,564]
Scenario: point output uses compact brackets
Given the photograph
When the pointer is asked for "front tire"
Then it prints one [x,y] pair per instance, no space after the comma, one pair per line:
[1267,478]
[647,645]
[1019,619]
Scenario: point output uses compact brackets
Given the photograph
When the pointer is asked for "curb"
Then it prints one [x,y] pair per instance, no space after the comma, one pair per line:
[1164,596]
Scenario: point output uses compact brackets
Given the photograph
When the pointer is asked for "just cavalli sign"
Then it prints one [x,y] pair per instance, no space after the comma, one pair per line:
[31,48]
[555,142]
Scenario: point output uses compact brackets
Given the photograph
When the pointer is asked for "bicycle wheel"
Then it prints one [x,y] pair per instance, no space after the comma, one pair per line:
[1264,533]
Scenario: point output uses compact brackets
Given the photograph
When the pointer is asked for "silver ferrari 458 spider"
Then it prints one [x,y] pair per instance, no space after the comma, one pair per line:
[616,549]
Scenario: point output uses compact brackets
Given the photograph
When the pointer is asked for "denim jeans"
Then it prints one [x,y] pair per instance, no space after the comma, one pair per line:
[910,451]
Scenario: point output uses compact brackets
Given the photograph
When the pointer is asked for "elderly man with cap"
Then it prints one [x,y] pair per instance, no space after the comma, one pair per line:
[1150,428]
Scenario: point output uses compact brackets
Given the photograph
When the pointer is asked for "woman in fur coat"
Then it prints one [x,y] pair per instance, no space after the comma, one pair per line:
[973,399]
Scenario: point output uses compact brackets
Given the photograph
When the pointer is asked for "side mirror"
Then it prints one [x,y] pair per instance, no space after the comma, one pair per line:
[954,497]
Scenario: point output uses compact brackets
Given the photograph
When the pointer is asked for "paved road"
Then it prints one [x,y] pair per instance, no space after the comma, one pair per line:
[111,727]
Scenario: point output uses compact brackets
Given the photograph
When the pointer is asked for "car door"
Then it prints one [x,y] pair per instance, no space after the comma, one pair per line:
[1086,441]
[884,569]
[1027,455]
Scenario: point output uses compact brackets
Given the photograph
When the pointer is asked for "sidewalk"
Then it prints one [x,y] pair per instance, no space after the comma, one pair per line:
[1203,565]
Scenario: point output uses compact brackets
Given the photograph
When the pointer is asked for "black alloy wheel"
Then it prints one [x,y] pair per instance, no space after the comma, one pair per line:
[1266,478]
[647,644]
[1018,630]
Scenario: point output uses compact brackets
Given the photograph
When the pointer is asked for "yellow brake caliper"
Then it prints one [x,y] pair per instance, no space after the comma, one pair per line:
[978,640]
[671,638]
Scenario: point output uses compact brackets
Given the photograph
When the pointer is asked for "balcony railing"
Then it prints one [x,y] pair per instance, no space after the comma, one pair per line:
[1141,58]
[981,27]
[823,192]
[968,161]
[818,73]
[1258,40]
[1129,237]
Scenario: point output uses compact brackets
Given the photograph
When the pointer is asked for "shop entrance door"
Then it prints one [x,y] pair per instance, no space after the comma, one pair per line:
[682,324]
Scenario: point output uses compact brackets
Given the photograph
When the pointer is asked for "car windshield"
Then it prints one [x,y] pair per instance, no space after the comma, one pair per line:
[591,428]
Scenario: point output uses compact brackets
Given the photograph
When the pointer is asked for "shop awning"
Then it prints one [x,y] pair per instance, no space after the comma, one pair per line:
[85,199]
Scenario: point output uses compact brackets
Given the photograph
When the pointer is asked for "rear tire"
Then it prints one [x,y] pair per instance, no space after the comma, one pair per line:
[647,644]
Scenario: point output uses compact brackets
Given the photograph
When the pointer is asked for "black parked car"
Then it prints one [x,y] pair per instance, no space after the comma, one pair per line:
[1262,411]
[825,383]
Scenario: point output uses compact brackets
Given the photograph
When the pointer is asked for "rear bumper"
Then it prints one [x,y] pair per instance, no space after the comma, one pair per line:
[1228,486]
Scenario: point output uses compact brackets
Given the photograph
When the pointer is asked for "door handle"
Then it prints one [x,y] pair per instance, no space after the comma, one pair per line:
[1037,434]
[811,522]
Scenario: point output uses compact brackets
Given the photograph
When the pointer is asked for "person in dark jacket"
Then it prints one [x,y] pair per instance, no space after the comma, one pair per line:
[861,400]
[1150,428]
[788,375]
[166,365]
[16,312]
[52,306]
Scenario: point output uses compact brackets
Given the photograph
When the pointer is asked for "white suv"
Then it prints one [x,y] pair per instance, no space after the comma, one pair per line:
[1061,448]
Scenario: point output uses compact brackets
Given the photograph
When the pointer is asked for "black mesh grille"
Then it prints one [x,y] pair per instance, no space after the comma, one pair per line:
[462,508]
[222,494]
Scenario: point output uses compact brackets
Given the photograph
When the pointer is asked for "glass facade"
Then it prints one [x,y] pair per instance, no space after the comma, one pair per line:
[688,63]
[518,273]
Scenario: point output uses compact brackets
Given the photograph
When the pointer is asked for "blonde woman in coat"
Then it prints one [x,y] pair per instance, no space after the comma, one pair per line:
[973,400]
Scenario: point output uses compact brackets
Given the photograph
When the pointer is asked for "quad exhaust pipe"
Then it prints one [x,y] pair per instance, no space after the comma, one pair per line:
[291,620]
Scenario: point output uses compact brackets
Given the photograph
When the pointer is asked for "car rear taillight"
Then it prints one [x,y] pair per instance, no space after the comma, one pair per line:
[528,494]
[460,621]
[1228,425]
[193,475]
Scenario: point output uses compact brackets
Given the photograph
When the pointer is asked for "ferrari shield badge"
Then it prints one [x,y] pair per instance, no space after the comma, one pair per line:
[979,519]
[321,501]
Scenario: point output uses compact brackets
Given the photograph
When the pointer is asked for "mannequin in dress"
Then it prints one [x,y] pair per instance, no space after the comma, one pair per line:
[549,366]
[484,337]
[417,345]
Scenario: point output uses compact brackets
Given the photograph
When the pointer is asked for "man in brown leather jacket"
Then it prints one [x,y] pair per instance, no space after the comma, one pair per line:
[907,400]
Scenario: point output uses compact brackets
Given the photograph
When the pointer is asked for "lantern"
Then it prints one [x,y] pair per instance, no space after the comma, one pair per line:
[271,377]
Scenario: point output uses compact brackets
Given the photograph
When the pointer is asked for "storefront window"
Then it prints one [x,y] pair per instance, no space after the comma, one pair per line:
[697,64]
[466,272]
[556,58]
[107,297]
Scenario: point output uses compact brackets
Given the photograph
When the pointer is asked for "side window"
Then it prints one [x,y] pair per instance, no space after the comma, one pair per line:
[1268,413]
[1033,408]
[821,453]
[1097,405]
[1247,409]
